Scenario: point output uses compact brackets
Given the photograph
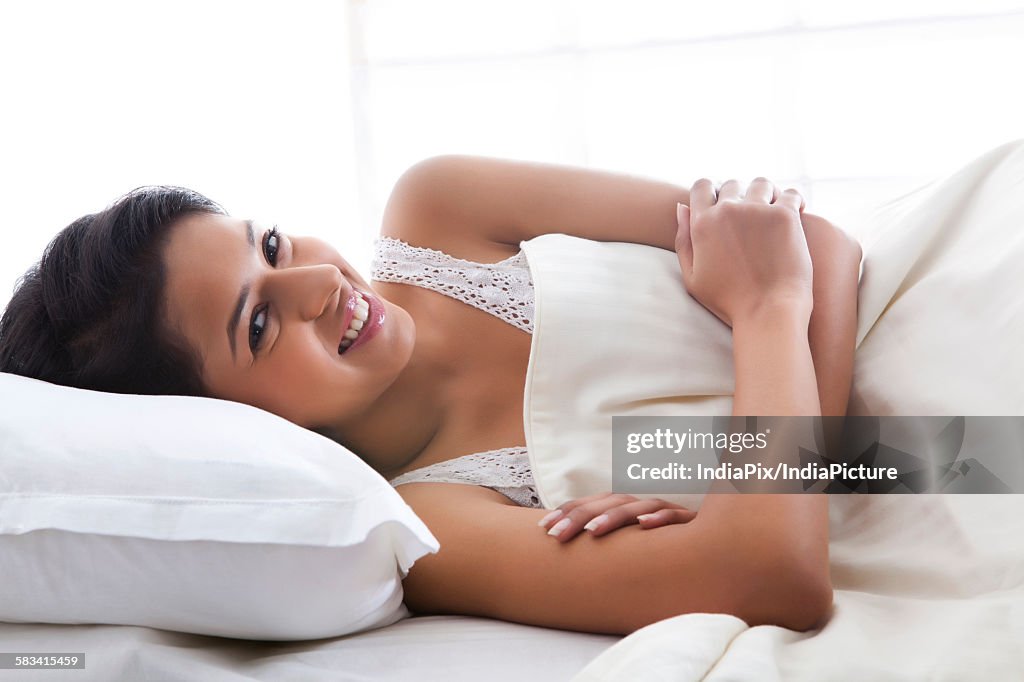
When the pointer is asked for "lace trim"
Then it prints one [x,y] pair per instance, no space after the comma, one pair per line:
[506,470]
[504,289]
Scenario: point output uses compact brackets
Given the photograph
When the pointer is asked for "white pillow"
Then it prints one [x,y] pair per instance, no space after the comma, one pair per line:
[940,323]
[192,514]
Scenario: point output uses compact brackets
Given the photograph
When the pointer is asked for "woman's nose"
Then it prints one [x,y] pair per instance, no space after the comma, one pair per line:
[308,289]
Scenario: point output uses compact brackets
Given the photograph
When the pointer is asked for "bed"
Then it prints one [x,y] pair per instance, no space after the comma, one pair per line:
[926,586]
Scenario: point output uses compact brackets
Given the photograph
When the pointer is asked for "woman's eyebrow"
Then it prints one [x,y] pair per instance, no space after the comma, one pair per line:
[242,297]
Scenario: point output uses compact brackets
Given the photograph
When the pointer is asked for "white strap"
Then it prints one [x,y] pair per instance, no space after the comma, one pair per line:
[506,470]
[503,289]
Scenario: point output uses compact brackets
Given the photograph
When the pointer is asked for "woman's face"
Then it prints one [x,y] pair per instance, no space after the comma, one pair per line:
[267,314]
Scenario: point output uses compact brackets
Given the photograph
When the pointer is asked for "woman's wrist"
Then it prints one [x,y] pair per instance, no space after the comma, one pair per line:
[777,310]
[772,361]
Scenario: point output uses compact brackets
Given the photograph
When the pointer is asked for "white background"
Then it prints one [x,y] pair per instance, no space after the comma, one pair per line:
[305,113]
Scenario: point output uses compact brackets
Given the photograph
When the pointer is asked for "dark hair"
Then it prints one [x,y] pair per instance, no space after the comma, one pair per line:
[90,313]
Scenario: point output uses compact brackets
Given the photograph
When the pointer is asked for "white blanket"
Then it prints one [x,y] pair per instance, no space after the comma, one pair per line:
[928,586]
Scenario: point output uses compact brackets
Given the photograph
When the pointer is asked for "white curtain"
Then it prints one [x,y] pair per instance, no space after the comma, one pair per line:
[852,102]
[306,113]
[245,101]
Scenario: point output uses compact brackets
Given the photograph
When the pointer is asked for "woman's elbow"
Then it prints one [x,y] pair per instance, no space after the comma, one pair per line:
[802,600]
[779,590]
[817,605]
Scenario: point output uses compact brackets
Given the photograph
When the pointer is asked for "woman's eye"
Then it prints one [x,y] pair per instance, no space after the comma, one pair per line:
[257,326]
[270,245]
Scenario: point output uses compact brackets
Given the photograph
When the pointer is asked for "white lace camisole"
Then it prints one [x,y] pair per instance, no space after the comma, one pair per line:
[503,289]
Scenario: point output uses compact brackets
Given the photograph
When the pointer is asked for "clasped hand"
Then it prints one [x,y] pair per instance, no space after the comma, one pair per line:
[740,252]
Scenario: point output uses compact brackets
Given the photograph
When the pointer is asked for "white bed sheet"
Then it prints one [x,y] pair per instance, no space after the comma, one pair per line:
[449,648]
[927,587]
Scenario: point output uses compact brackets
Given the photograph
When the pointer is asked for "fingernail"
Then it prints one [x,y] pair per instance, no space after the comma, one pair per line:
[559,527]
[550,517]
[679,212]
[596,522]
[644,517]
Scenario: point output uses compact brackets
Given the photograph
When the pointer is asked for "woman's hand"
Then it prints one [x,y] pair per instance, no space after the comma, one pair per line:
[738,253]
[601,514]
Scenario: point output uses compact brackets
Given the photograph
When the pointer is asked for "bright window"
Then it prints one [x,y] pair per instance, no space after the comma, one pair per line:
[306,113]
[852,102]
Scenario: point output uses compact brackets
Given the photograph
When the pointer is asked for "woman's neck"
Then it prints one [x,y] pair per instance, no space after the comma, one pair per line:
[410,413]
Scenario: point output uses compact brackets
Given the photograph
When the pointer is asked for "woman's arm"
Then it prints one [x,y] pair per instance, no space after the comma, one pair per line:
[833,328]
[762,558]
[506,202]
[494,563]
[746,260]
[470,199]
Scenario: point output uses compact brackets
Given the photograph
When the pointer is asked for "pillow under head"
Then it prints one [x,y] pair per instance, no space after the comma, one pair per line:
[192,514]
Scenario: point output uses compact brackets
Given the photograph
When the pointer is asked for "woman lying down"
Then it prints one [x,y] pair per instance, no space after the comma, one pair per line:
[422,372]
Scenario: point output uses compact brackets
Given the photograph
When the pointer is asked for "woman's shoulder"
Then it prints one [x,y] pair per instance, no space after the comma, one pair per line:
[411,216]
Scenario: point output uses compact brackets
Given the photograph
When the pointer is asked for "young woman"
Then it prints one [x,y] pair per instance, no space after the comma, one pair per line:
[164,292]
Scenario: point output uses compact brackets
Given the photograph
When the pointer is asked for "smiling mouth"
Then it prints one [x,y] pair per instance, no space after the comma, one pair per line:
[359,317]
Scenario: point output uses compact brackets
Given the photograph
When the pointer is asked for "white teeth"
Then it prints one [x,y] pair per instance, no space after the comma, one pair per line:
[362,310]
[359,317]
[359,313]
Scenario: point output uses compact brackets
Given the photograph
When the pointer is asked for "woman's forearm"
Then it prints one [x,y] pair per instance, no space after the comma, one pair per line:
[833,327]
[832,335]
[784,537]
[773,364]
